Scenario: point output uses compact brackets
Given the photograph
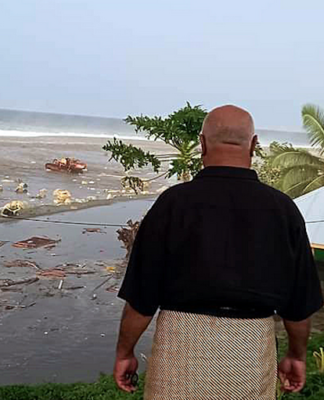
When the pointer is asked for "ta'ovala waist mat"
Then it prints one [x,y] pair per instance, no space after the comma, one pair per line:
[202,357]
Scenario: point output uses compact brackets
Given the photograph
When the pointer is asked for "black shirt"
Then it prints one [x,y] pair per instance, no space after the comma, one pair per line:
[223,244]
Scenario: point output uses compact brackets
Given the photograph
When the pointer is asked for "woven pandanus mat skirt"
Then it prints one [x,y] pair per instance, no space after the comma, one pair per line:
[201,357]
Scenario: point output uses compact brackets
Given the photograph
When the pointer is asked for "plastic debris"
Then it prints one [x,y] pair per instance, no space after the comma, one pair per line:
[60,284]
[13,208]
[35,242]
[111,269]
[41,194]
[62,196]
[21,188]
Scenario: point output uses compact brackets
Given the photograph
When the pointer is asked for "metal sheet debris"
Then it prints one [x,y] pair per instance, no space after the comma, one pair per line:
[36,242]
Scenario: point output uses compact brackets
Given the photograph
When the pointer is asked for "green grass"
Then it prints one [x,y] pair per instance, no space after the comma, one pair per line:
[105,389]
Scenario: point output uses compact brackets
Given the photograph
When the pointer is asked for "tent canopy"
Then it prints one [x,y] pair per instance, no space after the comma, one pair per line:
[311,205]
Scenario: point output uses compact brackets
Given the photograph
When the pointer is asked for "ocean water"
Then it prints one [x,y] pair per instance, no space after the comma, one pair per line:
[14,123]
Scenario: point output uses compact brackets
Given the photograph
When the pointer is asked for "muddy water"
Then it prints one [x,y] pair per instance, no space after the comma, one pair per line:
[67,336]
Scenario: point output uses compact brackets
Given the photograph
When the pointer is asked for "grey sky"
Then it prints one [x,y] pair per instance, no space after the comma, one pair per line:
[113,58]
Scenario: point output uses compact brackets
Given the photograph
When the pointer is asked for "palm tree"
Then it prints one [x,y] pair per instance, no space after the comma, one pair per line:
[302,170]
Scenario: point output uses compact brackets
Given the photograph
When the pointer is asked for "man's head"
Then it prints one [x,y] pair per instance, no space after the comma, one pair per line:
[228,138]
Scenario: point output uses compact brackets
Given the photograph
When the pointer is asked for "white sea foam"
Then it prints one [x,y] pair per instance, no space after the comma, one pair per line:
[265,138]
[31,134]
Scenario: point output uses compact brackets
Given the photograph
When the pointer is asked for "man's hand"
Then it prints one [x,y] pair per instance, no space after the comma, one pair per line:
[292,374]
[133,324]
[124,369]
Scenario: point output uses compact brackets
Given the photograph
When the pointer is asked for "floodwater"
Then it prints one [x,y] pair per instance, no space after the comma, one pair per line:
[66,336]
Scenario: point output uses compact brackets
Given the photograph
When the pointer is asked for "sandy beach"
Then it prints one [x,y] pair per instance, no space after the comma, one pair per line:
[24,159]
[66,334]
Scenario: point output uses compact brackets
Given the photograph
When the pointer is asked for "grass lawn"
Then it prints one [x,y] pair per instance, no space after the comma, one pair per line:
[104,388]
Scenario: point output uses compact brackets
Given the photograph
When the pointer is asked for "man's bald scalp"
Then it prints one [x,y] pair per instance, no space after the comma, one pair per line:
[228,125]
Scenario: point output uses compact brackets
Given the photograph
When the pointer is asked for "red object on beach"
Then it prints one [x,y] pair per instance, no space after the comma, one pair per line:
[71,165]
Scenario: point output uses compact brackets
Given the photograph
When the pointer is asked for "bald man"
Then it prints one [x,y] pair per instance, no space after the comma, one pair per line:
[219,256]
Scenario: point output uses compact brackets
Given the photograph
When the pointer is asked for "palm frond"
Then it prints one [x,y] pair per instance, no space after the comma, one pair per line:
[298,189]
[294,158]
[296,175]
[313,119]
[314,184]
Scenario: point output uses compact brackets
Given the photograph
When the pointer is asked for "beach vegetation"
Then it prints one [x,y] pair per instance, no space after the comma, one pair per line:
[105,388]
[180,130]
[302,170]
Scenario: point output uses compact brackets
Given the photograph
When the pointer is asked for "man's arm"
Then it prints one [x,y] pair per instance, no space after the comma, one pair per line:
[292,369]
[132,326]
[298,334]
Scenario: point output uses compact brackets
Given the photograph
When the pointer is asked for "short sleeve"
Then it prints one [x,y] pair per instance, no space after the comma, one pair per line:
[141,286]
[306,295]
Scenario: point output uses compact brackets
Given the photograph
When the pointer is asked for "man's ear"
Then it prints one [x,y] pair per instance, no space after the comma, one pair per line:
[253,145]
[203,144]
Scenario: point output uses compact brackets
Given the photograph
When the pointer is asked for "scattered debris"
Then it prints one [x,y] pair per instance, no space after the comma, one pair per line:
[13,208]
[71,165]
[75,287]
[41,194]
[102,283]
[62,197]
[21,264]
[60,284]
[9,282]
[133,183]
[113,289]
[84,183]
[21,188]
[35,242]
[127,236]
[92,230]
[111,269]
[53,273]
[94,296]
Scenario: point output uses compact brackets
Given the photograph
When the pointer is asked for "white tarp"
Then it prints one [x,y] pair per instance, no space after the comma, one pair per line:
[311,205]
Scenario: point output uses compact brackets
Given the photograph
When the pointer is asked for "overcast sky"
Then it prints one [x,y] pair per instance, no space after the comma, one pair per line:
[117,57]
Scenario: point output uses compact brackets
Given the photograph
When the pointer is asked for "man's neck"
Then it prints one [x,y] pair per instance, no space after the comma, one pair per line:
[237,163]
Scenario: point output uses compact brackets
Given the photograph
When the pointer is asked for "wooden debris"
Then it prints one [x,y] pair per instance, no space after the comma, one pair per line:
[9,282]
[75,287]
[92,230]
[21,264]
[52,273]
